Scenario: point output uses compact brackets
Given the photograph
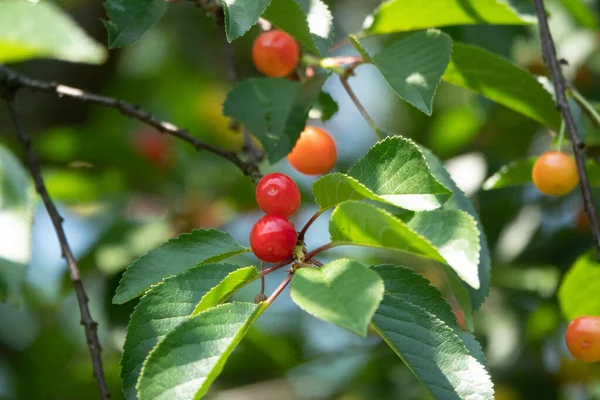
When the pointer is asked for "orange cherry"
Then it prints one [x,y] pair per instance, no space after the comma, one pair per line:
[315,152]
[275,53]
[555,173]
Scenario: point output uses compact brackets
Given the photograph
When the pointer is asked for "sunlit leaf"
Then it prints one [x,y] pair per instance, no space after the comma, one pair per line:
[578,293]
[170,303]
[175,256]
[42,30]
[394,171]
[418,325]
[343,292]
[402,15]
[185,363]
[447,236]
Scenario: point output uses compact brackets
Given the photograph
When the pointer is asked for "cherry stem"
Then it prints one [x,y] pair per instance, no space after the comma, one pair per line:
[316,262]
[308,224]
[378,131]
[561,135]
[320,249]
[279,289]
[275,267]
[262,278]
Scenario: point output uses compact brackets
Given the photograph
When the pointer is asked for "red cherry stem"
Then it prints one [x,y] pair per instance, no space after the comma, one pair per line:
[279,289]
[308,224]
[275,267]
[321,249]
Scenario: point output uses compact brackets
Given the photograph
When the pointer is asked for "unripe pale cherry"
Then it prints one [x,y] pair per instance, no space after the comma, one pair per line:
[583,338]
[275,53]
[555,173]
[273,238]
[277,193]
[315,152]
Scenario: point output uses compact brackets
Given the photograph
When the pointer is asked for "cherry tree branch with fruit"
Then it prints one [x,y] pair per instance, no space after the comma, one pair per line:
[397,201]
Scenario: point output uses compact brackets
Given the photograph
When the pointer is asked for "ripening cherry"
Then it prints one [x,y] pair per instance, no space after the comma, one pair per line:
[152,145]
[273,238]
[278,194]
[275,53]
[583,338]
[314,153]
[555,173]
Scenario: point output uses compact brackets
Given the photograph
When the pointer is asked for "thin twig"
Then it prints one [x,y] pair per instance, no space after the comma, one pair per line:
[89,325]
[16,81]
[361,108]
[262,278]
[549,51]
[279,289]
[308,224]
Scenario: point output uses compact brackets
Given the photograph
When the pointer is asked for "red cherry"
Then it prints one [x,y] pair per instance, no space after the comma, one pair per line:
[153,145]
[583,338]
[278,194]
[273,238]
[275,53]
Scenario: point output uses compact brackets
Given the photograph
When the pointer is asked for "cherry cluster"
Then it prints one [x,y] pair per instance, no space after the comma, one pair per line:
[273,237]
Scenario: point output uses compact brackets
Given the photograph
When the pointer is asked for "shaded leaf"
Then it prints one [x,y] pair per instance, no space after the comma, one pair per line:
[325,107]
[175,256]
[343,292]
[308,21]
[275,110]
[42,30]
[430,344]
[582,13]
[185,363]
[130,19]
[241,15]
[170,303]
[402,15]
[413,66]
[503,82]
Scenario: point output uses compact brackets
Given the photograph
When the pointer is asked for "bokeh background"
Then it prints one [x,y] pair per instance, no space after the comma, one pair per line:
[118,204]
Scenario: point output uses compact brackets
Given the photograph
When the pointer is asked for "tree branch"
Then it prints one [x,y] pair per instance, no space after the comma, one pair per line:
[15,81]
[90,326]
[549,51]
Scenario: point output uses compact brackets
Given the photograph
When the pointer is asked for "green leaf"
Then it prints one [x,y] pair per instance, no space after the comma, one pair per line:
[503,82]
[308,21]
[343,292]
[455,235]
[402,15]
[130,19]
[42,30]
[413,66]
[175,256]
[518,173]
[185,363]
[17,206]
[275,110]
[582,13]
[325,107]
[170,303]
[456,245]
[429,343]
[459,201]
[578,293]
[241,15]
[394,171]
